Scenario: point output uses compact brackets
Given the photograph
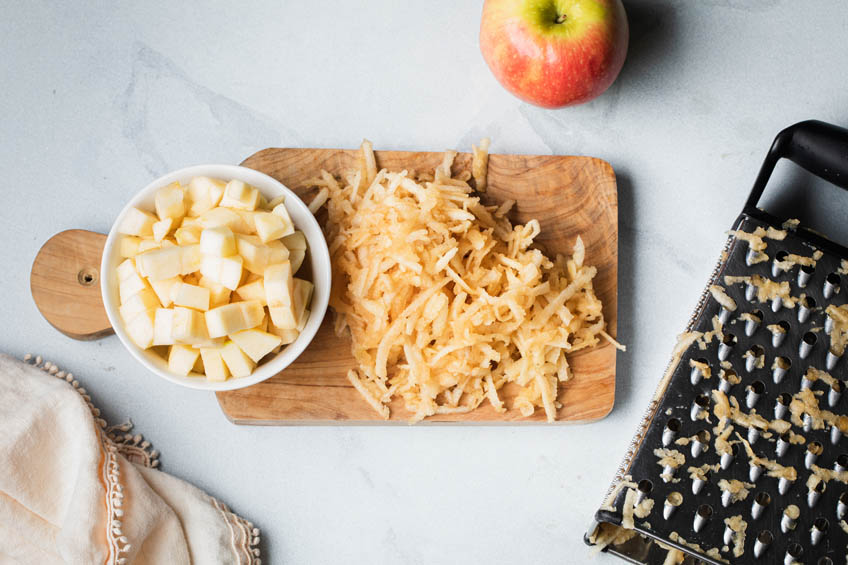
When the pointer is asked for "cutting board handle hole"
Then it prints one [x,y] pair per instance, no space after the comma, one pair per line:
[87,276]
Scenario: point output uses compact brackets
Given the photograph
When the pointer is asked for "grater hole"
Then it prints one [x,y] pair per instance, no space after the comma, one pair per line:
[763,499]
[645,486]
[820,486]
[786,437]
[765,537]
[729,339]
[785,398]
[784,325]
[833,279]
[810,338]
[703,401]
[837,386]
[674,498]
[757,351]
[809,302]
[843,498]
[821,524]
[673,425]
[808,269]
[702,360]
[781,256]
[824,561]
[783,362]
[794,550]
[815,448]
[758,387]
[703,436]
[758,314]
[705,511]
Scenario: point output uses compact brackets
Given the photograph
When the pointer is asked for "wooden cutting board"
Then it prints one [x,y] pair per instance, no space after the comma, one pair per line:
[568,195]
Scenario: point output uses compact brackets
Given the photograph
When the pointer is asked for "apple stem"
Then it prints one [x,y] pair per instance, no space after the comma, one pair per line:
[560,18]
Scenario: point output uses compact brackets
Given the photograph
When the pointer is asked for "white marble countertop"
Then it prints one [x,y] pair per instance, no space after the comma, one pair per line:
[97,101]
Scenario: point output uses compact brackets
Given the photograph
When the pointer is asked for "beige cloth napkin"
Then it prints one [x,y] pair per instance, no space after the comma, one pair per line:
[73,490]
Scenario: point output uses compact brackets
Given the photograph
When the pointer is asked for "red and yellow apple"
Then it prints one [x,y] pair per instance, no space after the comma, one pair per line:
[554,53]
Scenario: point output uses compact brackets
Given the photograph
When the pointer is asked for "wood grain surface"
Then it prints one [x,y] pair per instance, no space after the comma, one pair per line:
[65,284]
[568,195]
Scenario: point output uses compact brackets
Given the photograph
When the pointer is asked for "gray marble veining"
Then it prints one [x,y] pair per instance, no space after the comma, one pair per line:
[99,99]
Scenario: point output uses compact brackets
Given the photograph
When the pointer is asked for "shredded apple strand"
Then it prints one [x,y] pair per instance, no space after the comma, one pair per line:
[445,300]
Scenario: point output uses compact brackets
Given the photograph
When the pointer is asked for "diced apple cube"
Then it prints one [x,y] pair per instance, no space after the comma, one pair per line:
[301,323]
[296,244]
[163,326]
[188,235]
[137,303]
[148,244]
[224,320]
[190,296]
[302,297]
[189,326]
[191,223]
[181,359]
[239,364]
[203,194]
[253,291]
[222,270]
[296,256]
[137,222]
[168,242]
[140,328]
[170,202]
[132,284]
[225,217]
[255,343]
[257,257]
[126,270]
[248,220]
[275,202]
[279,284]
[209,343]
[282,212]
[218,241]
[162,228]
[129,246]
[164,288]
[231,318]
[295,241]
[218,293]
[271,226]
[158,264]
[190,259]
[213,364]
[283,317]
[287,336]
[239,195]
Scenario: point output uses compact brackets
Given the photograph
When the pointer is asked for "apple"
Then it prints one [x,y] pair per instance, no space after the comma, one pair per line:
[554,53]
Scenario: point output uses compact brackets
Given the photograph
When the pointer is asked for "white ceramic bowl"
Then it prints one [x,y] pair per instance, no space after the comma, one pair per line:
[317,256]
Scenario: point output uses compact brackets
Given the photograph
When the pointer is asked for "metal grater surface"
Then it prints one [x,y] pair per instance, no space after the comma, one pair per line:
[760,358]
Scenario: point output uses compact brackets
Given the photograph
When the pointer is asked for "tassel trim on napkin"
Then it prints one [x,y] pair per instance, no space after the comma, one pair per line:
[117,439]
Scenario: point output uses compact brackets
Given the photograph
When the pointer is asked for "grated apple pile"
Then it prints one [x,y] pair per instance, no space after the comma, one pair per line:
[445,300]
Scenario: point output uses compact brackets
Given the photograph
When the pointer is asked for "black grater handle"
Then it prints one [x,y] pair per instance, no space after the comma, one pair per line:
[819,147]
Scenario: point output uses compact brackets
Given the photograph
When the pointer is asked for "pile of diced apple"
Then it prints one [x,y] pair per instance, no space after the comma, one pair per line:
[208,281]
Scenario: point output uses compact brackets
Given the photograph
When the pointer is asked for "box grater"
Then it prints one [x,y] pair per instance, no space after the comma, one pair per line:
[762,354]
